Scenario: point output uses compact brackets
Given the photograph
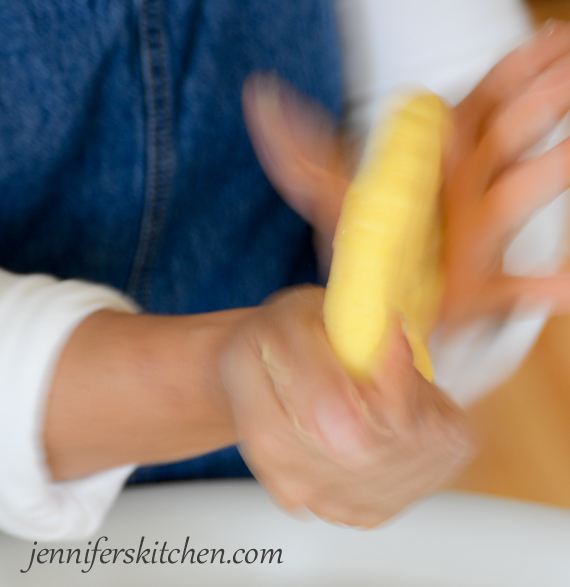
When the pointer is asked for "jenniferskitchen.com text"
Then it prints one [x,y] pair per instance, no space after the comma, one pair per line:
[149,553]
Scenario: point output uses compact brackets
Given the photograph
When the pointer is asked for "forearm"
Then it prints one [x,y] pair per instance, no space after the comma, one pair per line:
[138,389]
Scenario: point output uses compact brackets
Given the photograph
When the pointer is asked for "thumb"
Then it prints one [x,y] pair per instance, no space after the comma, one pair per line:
[396,384]
[299,147]
[401,400]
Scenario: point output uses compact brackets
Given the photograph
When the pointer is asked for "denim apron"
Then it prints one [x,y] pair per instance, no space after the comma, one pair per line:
[124,157]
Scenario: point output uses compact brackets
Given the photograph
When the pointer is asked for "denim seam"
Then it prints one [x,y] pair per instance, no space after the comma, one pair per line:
[159,148]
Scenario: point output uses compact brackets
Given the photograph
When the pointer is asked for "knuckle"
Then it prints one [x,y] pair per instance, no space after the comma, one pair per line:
[444,428]
[451,437]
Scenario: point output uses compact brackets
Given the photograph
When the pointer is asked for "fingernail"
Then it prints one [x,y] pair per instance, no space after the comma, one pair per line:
[340,428]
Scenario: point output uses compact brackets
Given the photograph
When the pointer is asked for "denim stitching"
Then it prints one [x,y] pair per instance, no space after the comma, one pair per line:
[160,156]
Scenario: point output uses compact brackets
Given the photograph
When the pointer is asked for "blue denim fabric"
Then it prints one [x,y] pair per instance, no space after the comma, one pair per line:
[124,157]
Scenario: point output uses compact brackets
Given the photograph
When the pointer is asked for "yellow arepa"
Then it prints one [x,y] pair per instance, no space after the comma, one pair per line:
[386,248]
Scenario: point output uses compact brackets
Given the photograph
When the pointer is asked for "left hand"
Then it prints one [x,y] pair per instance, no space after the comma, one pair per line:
[354,452]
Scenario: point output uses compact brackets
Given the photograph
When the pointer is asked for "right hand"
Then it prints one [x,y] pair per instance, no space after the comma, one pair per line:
[488,193]
[491,190]
[350,452]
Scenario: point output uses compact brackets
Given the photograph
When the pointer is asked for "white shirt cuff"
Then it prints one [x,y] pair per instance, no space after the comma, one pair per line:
[37,316]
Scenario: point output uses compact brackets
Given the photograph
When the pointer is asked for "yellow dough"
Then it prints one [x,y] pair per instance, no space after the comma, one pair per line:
[385,264]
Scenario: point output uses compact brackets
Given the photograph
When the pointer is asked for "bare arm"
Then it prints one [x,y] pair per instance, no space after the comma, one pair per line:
[138,389]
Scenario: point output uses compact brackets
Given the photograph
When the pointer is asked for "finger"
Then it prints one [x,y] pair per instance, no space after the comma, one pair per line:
[339,513]
[515,196]
[504,293]
[299,147]
[527,119]
[391,396]
[501,85]
[515,71]
[420,418]
[406,469]
[288,487]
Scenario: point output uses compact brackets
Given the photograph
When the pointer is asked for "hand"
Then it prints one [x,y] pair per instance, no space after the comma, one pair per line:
[350,452]
[488,194]
[307,158]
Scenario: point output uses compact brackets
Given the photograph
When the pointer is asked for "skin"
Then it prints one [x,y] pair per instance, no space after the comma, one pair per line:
[152,389]
[135,388]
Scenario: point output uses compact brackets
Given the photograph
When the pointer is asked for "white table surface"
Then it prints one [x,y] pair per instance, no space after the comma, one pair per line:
[448,540]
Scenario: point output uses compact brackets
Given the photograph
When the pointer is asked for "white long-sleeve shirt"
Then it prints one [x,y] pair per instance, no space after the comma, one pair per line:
[37,316]
[445,44]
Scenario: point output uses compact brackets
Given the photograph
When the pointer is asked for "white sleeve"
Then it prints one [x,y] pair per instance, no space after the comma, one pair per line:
[37,316]
[448,46]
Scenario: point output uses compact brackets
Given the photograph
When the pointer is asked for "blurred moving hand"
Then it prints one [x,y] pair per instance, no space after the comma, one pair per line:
[488,192]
